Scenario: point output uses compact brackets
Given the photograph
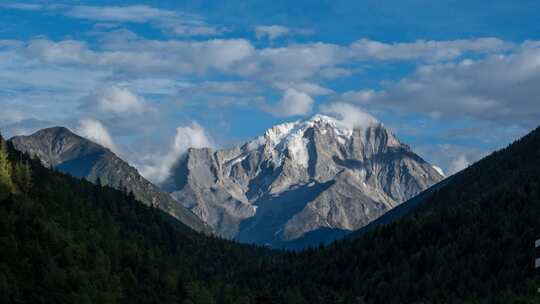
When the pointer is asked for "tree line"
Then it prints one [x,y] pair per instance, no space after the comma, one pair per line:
[65,240]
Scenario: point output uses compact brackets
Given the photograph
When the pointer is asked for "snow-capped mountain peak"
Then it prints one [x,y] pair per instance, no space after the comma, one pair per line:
[282,134]
[300,177]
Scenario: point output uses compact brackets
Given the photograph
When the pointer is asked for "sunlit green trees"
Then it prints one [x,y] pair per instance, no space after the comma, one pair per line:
[6,184]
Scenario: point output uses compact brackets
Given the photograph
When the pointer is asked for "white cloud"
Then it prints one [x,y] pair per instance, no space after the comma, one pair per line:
[349,115]
[94,130]
[146,57]
[499,89]
[67,51]
[134,13]
[494,88]
[299,61]
[458,164]
[173,22]
[296,62]
[158,167]
[425,50]
[127,53]
[176,23]
[292,103]
[118,100]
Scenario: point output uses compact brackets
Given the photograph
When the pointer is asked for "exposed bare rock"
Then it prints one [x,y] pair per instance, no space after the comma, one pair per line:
[299,178]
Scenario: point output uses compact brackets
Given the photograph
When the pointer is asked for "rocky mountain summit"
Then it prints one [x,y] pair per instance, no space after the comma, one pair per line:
[60,148]
[300,183]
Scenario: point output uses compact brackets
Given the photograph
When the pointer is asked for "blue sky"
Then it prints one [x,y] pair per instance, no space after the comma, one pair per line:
[453,79]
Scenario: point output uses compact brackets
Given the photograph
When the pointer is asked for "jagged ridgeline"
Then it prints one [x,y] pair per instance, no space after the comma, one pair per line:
[65,240]
[65,151]
[301,183]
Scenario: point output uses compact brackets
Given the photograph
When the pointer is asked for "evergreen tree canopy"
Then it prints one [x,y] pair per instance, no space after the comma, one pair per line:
[5,171]
[65,240]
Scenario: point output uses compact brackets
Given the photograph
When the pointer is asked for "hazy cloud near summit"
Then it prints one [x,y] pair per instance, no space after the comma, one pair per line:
[95,131]
[158,167]
[349,115]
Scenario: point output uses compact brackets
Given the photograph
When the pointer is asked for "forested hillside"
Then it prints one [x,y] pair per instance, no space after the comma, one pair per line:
[471,240]
[67,241]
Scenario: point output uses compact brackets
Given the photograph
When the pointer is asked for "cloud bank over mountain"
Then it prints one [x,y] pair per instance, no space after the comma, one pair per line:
[141,71]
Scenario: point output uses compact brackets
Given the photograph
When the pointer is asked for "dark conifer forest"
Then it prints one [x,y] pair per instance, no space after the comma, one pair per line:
[65,240]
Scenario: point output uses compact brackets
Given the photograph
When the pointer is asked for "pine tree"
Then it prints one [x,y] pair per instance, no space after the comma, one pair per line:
[22,176]
[6,185]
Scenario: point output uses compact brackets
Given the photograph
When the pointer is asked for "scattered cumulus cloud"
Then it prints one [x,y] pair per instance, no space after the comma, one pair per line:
[431,51]
[127,53]
[147,57]
[63,52]
[482,79]
[499,88]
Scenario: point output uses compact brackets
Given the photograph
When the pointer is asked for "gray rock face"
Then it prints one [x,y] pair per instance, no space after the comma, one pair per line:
[60,148]
[300,178]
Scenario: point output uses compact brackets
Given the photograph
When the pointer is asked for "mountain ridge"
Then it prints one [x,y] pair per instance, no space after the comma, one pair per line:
[60,148]
[299,177]
[67,240]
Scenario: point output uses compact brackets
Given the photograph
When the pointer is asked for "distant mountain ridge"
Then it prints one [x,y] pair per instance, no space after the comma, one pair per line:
[300,183]
[59,148]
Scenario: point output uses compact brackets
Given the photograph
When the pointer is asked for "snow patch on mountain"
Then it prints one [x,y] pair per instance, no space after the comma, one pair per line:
[289,138]
[439,170]
[336,173]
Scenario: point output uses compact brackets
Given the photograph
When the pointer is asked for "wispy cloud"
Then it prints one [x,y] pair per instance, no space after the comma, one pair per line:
[23,6]
[134,13]
[172,22]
